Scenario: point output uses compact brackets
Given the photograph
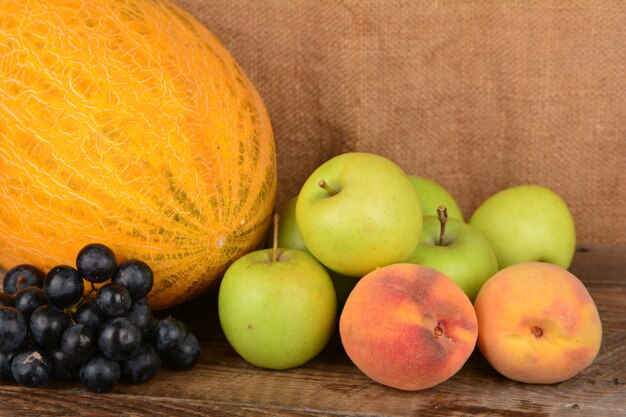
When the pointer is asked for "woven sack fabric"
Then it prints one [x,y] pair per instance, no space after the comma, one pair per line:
[476,95]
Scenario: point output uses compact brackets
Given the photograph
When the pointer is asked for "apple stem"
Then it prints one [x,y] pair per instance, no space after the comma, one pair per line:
[327,187]
[275,238]
[442,214]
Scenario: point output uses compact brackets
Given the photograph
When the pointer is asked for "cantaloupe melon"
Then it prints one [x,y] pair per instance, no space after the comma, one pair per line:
[129,123]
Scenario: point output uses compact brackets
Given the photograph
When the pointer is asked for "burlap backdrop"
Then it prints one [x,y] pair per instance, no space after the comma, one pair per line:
[477,95]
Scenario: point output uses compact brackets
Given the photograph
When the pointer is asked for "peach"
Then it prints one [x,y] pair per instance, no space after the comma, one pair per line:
[408,326]
[537,323]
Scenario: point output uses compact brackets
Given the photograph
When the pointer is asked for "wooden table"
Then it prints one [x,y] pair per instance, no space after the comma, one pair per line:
[223,384]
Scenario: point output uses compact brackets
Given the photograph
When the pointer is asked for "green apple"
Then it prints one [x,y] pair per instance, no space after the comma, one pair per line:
[289,236]
[458,251]
[357,211]
[277,307]
[527,223]
[433,195]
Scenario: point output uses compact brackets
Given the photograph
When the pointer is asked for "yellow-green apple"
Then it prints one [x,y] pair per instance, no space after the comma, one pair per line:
[537,323]
[408,326]
[457,250]
[358,211]
[433,195]
[289,236]
[277,307]
[527,223]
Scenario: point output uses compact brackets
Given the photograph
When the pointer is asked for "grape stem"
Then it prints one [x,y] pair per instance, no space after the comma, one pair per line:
[70,311]
[92,290]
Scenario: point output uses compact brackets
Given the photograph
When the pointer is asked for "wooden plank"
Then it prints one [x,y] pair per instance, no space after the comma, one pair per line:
[224,385]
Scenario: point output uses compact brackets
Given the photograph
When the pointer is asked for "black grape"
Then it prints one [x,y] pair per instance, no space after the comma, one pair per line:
[89,313]
[100,374]
[184,356]
[5,365]
[136,276]
[167,334]
[142,366]
[119,338]
[21,276]
[63,367]
[63,286]
[31,368]
[13,328]
[141,315]
[113,300]
[78,342]
[47,325]
[28,299]
[96,263]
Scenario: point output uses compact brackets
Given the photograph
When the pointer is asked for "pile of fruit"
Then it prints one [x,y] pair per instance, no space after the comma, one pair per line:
[385,256]
[414,287]
[51,328]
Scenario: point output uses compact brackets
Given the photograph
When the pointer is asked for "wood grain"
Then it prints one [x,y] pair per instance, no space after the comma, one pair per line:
[224,385]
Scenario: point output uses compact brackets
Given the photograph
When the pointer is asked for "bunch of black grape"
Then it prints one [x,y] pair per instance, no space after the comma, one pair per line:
[51,329]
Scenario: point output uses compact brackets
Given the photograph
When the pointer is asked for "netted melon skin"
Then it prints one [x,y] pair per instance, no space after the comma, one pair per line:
[128,123]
